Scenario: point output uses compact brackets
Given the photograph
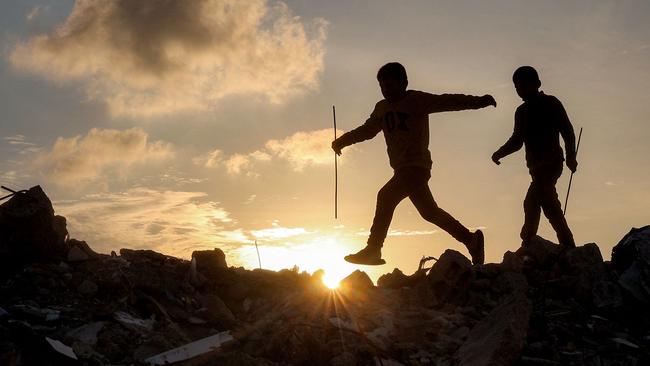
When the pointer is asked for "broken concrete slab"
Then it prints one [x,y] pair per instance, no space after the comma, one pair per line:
[133,323]
[191,350]
[86,333]
[61,348]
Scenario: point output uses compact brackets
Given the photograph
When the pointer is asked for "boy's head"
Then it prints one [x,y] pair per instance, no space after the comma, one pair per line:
[392,80]
[526,81]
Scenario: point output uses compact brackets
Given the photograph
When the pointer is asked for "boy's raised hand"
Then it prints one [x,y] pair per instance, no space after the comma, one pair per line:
[489,100]
[336,146]
[572,164]
[495,159]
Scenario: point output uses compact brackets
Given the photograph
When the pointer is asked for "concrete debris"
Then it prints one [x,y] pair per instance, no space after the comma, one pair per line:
[450,276]
[47,315]
[357,280]
[540,306]
[191,350]
[132,322]
[61,348]
[499,338]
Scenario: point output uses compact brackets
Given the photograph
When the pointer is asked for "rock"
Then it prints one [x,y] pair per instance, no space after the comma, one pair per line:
[395,279]
[86,333]
[634,245]
[209,262]
[142,255]
[541,251]
[636,280]
[215,311]
[631,258]
[88,288]
[344,359]
[357,280]
[606,294]
[512,262]
[582,267]
[450,276]
[30,231]
[76,254]
[499,338]
[80,251]
[583,258]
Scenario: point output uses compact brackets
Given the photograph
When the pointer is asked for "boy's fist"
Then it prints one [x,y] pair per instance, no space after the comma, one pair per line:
[489,100]
[572,164]
[336,146]
[495,159]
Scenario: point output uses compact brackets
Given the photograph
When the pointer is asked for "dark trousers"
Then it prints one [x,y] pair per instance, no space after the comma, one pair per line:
[411,182]
[542,195]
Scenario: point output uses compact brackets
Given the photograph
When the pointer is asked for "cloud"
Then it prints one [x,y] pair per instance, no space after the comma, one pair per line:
[19,140]
[150,57]
[173,222]
[35,12]
[398,232]
[304,148]
[84,159]
[278,232]
[301,149]
[210,159]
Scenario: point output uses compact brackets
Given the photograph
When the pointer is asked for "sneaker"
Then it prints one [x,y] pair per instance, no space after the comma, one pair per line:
[476,248]
[370,256]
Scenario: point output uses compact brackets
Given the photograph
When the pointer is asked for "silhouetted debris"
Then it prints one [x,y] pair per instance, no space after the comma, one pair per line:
[30,230]
[357,281]
[541,306]
[631,259]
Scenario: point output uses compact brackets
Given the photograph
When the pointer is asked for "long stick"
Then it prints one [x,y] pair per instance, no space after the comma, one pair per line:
[566,201]
[336,171]
[258,255]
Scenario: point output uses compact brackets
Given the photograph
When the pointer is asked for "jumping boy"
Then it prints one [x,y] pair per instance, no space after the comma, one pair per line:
[539,122]
[403,116]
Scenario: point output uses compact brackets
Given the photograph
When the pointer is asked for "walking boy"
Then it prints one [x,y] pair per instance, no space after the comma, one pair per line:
[539,122]
[403,116]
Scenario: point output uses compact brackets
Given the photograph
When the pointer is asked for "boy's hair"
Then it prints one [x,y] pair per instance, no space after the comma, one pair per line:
[525,73]
[392,70]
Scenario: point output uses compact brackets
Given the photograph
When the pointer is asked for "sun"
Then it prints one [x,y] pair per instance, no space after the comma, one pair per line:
[330,281]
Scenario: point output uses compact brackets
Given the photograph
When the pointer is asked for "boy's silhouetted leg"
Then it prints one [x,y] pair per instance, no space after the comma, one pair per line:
[412,182]
[542,195]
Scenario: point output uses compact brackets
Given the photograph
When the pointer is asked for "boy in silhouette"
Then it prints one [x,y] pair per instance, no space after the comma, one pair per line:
[539,122]
[403,117]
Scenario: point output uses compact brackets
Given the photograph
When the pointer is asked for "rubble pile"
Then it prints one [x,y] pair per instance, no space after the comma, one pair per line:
[61,303]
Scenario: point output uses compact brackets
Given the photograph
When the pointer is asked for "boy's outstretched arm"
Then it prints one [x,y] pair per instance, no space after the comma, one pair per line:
[514,143]
[432,103]
[569,137]
[366,131]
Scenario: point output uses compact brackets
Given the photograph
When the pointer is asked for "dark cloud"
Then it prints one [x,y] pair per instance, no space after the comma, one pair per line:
[149,57]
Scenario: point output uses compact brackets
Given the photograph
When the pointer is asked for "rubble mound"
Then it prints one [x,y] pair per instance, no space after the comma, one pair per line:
[64,304]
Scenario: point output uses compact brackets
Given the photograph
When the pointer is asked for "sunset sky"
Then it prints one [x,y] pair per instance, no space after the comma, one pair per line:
[185,125]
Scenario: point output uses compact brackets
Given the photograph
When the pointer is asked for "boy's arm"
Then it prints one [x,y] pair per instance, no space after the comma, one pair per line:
[432,103]
[514,143]
[366,131]
[569,137]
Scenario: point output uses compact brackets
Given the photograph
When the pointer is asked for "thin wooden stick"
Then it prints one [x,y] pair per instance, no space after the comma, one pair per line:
[336,171]
[259,260]
[566,201]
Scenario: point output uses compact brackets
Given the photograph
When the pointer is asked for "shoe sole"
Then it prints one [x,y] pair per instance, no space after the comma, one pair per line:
[353,260]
